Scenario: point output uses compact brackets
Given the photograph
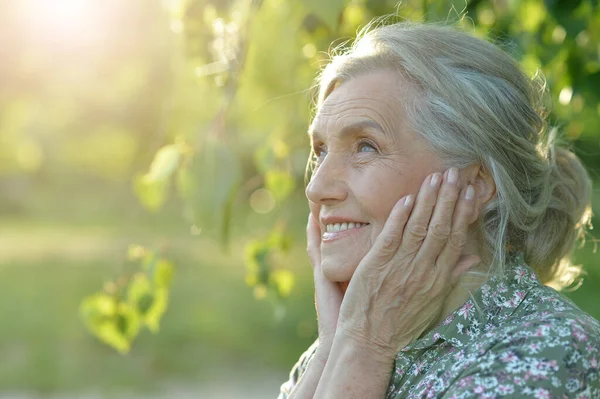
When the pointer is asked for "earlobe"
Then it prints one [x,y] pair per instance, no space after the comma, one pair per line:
[487,186]
[485,189]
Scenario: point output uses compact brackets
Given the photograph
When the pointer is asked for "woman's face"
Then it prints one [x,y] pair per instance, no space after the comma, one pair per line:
[367,160]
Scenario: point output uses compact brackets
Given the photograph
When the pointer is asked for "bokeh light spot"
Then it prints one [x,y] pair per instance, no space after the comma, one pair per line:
[309,50]
[262,201]
[565,95]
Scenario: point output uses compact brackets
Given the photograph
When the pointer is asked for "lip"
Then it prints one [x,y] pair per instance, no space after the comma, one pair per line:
[327,237]
[339,219]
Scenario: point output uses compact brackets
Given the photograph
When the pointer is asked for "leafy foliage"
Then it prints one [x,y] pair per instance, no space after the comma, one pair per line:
[116,315]
[208,116]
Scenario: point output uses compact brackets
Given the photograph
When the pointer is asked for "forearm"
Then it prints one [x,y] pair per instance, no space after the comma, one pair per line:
[354,371]
[306,387]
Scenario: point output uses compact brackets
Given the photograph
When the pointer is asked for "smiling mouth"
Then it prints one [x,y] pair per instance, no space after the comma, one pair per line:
[336,227]
[339,230]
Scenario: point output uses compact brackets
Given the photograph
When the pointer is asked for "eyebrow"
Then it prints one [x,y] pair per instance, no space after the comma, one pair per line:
[352,129]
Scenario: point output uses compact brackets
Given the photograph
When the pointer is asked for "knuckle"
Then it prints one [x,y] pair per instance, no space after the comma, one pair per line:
[449,198]
[388,242]
[389,245]
[417,231]
[458,239]
[439,230]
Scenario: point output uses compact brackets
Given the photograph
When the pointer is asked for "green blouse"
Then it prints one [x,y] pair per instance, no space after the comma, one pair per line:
[515,338]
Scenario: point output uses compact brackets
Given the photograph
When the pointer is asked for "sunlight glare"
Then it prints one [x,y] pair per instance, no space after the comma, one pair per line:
[63,20]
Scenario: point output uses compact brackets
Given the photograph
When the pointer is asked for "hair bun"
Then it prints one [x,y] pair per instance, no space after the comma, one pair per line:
[549,247]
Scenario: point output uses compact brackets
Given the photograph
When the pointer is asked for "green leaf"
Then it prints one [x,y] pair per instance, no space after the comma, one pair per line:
[184,182]
[165,162]
[163,273]
[209,184]
[139,288]
[562,6]
[283,280]
[128,321]
[281,184]
[278,240]
[144,303]
[111,321]
[328,11]
[149,295]
[151,193]
[257,262]
[531,14]
[135,252]
[156,311]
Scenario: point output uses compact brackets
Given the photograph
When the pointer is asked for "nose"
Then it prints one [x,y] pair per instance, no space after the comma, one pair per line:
[328,184]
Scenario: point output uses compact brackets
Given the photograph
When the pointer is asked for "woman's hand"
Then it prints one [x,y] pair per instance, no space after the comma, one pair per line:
[328,295]
[400,286]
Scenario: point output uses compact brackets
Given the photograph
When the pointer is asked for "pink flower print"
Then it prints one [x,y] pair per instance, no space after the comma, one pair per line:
[508,357]
[479,389]
[535,348]
[465,382]
[466,310]
[579,334]
[518,380]
[541,393]
[448,319]
[521,274]
[505,389]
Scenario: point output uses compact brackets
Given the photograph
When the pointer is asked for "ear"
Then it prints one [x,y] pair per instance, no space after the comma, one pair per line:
[484,185]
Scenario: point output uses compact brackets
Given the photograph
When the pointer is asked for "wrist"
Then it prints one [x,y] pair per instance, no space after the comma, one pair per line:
[365,349]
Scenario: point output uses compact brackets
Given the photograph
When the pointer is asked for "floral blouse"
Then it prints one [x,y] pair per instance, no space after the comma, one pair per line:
[515,338]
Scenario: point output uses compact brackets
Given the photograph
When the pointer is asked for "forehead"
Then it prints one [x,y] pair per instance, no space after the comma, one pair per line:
[376,97]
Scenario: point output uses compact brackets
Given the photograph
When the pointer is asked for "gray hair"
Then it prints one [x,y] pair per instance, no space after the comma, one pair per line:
[474,105]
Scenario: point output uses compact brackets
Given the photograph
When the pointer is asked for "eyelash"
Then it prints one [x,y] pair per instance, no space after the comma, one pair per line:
[368,143]
[318,150]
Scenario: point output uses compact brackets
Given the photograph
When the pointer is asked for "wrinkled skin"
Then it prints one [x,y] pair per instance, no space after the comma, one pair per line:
[403,262]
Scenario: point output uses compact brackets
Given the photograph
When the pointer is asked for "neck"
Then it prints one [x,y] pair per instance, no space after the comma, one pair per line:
[468,283]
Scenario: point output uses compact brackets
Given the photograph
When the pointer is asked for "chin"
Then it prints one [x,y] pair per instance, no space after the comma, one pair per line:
[333,272]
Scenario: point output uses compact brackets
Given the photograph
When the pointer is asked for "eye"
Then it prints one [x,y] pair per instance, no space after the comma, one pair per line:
[320,154]
[365,146]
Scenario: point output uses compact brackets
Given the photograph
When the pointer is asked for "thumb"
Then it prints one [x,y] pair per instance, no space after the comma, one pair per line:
[313,240]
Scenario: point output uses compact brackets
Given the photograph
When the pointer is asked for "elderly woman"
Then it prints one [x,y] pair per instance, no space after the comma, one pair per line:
[443,219]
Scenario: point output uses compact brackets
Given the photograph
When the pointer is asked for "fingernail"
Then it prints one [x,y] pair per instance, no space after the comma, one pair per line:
[470,193]
[453,175]
[435,179]
[408,201]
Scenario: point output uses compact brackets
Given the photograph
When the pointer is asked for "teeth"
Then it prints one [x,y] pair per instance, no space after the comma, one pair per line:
[335,227]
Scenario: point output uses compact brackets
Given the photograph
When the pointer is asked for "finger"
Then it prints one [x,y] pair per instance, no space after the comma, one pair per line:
[440,225]
[465,263]
[451,252]
[387,243]
[416,228]
[313,240]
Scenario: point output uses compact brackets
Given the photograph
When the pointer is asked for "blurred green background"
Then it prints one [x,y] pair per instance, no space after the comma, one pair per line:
[91,91]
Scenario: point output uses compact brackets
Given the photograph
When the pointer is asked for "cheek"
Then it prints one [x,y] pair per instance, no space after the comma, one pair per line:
[314,208]
[341,265]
